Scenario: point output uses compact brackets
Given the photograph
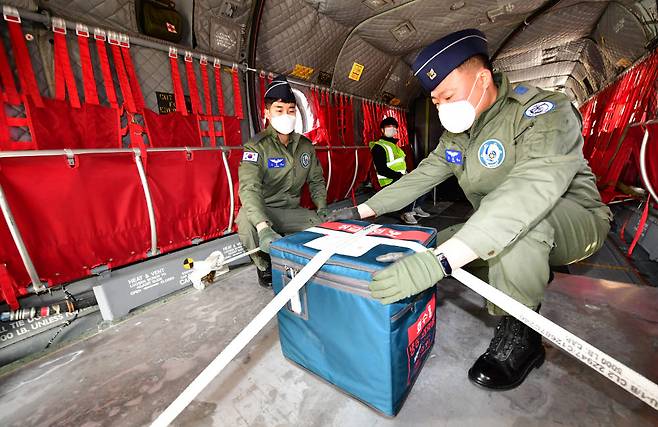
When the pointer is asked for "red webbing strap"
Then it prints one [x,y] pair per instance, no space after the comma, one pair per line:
[237,96]
[99,36]
[4,128]
[191,83]
[640,226]
[7,77]
[26,77]
[88,79]
[179,95]
[343,118]
[205,83]
[261,82]
[132,76]
[8,288]
[64,80]
[217,68]
[123,64]
[126,92]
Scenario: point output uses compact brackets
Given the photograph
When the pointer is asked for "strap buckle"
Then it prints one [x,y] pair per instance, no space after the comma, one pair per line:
[188,56]
[11,14]
[234,67]
[81,30]
[216,63]
[124,41]
[173,52]
[113,38]
[203,60]
[99,34]
[59,26]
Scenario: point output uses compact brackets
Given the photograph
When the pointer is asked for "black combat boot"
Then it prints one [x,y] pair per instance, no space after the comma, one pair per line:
[265,276]
[514,350]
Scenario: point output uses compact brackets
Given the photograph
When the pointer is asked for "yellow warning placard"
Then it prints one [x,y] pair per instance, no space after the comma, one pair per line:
[302,71]
[357,70]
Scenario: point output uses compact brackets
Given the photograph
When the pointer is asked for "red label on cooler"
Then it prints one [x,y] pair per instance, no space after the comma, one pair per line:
[415,235]
[421,337]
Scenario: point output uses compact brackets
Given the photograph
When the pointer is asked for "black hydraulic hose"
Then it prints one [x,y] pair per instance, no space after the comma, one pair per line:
[69,305]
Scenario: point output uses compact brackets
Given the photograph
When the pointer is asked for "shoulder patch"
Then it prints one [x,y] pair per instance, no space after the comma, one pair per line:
[250,156]
[520,89]
[539,108]
[305,160]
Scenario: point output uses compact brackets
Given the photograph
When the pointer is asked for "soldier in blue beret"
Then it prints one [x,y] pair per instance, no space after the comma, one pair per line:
[276,164]
[517,154]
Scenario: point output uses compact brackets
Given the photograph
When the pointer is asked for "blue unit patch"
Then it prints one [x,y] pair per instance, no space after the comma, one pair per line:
[520,90]
[454,156]
[491,153]
[276,162]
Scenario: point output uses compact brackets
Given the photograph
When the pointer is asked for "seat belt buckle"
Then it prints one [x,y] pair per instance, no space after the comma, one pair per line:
[173,52]
[59,26]
[113,38]
[81,30]
[99,34]
[188,56]
[11,14]
[203,60]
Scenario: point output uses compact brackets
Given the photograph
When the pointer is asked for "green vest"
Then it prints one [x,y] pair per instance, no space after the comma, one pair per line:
[394,160]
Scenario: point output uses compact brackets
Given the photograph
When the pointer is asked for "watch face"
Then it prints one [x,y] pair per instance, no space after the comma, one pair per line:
[447,269]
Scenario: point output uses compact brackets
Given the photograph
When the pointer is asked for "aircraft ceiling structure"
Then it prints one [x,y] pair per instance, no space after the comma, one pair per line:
[573,46]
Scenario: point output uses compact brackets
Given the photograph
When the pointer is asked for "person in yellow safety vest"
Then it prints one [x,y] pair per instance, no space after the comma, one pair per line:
[391,165]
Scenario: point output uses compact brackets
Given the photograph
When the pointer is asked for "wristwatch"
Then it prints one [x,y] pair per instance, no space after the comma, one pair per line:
[445,265]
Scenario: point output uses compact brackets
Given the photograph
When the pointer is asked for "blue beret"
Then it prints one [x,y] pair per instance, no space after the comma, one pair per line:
[437,60]
[280,89]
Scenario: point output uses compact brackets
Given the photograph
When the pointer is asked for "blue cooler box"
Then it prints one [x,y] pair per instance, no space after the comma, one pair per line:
[373,352]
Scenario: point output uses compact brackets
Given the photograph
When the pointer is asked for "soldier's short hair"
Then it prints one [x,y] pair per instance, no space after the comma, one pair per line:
[270,101]
[477,60]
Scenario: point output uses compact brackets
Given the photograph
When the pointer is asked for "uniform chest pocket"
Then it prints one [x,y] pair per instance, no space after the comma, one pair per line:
[489,164]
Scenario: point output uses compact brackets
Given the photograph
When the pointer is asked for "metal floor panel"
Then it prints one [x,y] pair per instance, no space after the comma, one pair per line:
[127,374]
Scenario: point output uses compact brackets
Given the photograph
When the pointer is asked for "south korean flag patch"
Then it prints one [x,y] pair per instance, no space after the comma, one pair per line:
[250,156]
[538,109]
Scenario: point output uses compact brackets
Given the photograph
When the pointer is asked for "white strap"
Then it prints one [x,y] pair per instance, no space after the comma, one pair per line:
[366,240]
[250,331]
[602,363]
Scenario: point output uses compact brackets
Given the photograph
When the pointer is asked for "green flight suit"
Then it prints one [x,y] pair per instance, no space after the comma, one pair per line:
[522,168]
[271,179]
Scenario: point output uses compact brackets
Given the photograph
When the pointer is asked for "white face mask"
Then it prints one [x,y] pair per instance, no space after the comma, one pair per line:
[459,116]
[284,123]
[390,132]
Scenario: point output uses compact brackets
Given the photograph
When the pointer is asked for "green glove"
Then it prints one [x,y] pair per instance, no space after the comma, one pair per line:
[408,276]
[323,213]
[265,238]
[345,213]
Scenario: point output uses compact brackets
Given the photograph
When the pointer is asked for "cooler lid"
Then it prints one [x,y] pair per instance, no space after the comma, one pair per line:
[362,254]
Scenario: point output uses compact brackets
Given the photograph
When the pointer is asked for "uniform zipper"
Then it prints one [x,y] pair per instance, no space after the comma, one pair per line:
[334,281]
